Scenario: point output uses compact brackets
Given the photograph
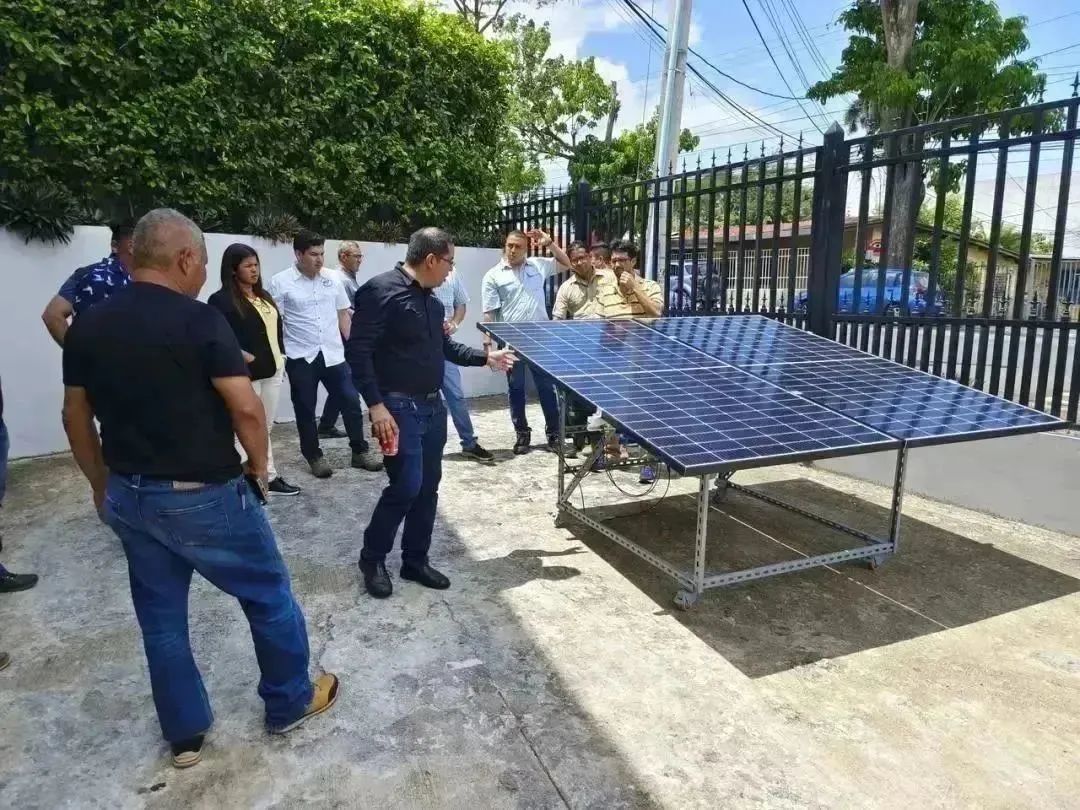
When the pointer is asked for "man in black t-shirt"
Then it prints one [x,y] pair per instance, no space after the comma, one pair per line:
[164,375]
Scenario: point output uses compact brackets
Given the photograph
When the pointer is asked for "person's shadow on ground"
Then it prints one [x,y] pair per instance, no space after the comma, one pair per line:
[524,565]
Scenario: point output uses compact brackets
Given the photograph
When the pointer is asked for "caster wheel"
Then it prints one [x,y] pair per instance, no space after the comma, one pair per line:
[874,563]
[684,600]
[561,521]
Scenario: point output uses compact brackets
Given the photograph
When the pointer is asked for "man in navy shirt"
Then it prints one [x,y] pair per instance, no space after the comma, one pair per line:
[396,349]
[91,285]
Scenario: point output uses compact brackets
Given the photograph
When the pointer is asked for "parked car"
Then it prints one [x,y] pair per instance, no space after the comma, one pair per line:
[894,282]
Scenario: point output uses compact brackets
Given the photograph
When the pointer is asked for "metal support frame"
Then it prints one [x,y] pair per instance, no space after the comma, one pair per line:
[712,489]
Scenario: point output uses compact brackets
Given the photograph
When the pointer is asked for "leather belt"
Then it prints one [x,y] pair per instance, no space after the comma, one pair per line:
[429,397]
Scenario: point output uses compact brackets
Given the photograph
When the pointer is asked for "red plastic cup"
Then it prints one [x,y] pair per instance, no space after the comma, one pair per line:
[389,448]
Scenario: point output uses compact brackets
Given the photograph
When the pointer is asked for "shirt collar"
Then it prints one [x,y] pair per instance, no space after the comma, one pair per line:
[408,280]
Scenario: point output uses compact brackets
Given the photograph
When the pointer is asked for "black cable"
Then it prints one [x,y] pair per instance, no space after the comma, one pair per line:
[649,23]
[804,34]
[777,27]
[772,58]
[710,64]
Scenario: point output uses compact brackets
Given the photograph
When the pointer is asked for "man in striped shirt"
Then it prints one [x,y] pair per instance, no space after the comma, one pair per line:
[631,296]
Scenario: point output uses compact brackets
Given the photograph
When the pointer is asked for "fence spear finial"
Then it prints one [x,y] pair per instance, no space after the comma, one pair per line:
[714,158]
[1076,84]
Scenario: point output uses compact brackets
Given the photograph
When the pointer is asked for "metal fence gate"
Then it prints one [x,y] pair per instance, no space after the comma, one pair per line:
[952,247]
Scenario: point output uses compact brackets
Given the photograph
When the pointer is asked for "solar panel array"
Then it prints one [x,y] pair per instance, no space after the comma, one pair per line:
[597,347]
[713,393]
[903,402]
[700,420]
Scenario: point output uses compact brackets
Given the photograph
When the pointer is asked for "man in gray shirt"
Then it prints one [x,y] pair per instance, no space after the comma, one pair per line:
[455,300]
[513,291]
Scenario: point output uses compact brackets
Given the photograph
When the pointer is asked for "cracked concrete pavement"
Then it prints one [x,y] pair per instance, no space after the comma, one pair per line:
[555,673]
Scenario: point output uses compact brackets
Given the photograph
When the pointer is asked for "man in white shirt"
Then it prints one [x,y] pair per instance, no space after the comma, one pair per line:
[513,291]
[314,315]
[350,257]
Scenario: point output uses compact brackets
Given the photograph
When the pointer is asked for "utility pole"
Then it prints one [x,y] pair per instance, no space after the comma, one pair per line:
[667,140]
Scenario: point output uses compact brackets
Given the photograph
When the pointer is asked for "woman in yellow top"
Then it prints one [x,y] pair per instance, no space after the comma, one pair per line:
[254,318]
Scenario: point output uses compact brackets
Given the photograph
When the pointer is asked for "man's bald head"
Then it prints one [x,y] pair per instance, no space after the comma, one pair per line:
[169,245]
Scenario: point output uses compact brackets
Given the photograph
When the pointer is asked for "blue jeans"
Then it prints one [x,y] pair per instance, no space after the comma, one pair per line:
[221,531]
[304,379]
[5,445]
[545,387]
[458,407]
[413,492]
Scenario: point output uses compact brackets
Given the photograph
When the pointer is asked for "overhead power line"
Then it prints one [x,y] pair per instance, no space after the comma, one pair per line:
[728,76]
[777,66]
[652,27]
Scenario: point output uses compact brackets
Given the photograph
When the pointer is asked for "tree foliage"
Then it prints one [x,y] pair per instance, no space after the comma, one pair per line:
[482,15]
[624,159]
[338,112]
[554,100]
[914,62]
[963,60]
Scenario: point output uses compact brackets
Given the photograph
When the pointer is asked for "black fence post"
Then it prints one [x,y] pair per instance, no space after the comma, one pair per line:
[582,198]
[827,237]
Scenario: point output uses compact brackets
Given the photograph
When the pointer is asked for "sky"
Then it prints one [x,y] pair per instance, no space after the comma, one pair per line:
[723,33]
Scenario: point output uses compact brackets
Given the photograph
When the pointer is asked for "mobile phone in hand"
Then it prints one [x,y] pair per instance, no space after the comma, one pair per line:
[256,488]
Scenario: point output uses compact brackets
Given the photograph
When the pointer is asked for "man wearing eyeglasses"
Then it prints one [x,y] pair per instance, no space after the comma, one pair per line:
[350,257]
[397,349]
[315,316]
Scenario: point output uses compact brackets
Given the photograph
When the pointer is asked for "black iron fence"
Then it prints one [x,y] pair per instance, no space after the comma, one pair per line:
[953,247]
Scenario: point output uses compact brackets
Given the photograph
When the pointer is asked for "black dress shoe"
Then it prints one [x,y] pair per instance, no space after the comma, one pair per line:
[425,575]
[9,582]
[523,443]
[376,579]
[332,433]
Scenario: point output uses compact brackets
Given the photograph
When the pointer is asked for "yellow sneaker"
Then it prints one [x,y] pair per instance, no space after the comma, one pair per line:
[325,696]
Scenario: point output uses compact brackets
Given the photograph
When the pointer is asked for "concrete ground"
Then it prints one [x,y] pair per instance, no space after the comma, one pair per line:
[555,672]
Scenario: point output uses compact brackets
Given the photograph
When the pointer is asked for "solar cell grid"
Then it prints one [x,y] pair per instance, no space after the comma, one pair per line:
[713,418]
[568,349]
[746,341]
[903,402]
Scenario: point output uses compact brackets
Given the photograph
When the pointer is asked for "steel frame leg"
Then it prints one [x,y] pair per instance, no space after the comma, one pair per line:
[712,487]
[686,599]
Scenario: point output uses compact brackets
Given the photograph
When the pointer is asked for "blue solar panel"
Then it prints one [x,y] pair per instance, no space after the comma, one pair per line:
[711,419]
[902,402]
[897,400]
[746,341]
[568,349]
[716,393]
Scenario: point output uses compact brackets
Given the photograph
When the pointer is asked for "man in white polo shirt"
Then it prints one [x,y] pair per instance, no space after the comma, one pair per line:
[513,291]
[314,315]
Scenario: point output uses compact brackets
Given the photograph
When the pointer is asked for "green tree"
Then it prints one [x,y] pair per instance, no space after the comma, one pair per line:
[554,101]
[913,62]
[485,14]
[624,159]
[341,113]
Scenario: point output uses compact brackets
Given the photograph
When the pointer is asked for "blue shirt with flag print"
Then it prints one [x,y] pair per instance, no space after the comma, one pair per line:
[94,283]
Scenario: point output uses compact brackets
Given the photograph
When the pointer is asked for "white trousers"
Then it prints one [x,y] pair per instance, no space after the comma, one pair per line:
[268,390]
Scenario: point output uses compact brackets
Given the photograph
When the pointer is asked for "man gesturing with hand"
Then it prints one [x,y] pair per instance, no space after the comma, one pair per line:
[396,350]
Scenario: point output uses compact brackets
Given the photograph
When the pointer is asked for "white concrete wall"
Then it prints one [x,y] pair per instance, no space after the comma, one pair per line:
[30,362]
